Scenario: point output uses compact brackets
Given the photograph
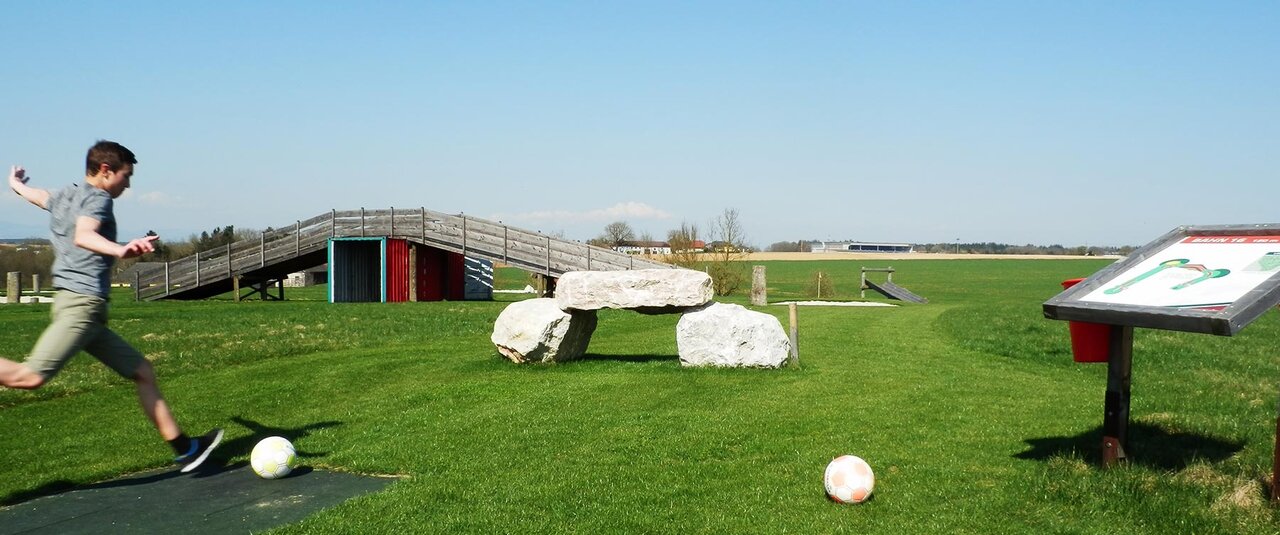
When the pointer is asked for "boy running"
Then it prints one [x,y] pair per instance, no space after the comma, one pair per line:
[83,232]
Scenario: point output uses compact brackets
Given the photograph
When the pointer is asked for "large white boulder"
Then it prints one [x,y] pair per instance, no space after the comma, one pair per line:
[728,335]
[536,330]
[643,290]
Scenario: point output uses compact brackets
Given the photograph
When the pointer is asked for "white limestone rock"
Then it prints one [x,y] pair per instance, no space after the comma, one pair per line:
[727,335]
[536,330]
[650,291]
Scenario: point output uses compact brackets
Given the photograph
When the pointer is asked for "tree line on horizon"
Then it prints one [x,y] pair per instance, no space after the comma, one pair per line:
[805,246]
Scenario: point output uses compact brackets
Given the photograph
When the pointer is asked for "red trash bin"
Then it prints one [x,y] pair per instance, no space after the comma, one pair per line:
[1089,341]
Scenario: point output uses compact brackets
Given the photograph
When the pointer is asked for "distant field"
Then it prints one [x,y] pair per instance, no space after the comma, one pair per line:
[969,409]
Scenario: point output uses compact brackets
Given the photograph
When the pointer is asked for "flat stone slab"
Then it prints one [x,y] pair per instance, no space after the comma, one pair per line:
[652,291]
[232,500]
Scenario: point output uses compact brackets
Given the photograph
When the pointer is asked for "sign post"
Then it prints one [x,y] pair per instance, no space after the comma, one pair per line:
[1205,279]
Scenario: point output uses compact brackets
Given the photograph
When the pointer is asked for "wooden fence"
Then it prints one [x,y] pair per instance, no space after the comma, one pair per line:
[474,237]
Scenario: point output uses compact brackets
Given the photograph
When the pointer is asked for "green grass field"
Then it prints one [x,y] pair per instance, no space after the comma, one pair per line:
[969,409]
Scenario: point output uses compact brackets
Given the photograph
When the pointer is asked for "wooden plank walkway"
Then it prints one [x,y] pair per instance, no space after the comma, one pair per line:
[305,244]
[893,291]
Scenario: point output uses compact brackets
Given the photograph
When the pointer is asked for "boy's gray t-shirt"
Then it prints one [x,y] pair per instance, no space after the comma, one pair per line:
[75,268]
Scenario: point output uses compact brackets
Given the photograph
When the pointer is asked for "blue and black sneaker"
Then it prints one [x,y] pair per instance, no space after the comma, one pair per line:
[201,447]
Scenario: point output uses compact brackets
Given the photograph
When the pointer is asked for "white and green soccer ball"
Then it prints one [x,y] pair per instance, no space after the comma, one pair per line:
[272,458]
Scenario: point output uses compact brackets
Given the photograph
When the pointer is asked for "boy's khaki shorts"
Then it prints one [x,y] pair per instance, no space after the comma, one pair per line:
[80,323]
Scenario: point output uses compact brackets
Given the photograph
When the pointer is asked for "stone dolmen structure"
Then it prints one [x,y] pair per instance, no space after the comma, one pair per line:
[708,334]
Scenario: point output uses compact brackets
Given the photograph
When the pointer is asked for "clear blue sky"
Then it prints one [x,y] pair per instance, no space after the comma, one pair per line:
[1100,123]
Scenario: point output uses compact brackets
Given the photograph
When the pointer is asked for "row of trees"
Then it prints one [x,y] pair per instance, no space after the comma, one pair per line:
[36,256]
[722,261]
[31,258]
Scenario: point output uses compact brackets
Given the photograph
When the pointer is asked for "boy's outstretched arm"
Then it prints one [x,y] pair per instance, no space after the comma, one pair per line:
[87,237]
[18,181]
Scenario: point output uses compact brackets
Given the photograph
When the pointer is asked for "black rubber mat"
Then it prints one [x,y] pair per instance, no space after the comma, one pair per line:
[226,500]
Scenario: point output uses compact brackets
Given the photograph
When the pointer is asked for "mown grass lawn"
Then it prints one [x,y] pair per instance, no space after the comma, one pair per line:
[969,409]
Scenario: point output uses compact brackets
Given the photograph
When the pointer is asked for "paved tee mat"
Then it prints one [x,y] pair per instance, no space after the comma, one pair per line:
[227,500]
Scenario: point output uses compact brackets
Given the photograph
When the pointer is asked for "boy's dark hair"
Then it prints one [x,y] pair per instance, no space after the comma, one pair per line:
[109,152]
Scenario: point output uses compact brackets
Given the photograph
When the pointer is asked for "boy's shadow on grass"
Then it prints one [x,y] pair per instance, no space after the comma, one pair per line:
[1149,445]
[258,431]
[216,463]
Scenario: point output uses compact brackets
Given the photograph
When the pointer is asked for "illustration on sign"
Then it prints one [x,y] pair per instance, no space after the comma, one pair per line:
[1180,275]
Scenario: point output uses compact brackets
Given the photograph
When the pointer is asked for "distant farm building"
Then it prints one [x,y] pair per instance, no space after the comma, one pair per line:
[860,247]
[653,247]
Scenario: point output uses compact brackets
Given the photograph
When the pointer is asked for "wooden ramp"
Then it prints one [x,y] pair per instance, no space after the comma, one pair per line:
[893,291]
[305,244]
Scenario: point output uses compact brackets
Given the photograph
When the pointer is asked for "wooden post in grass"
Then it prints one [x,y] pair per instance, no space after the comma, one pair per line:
[235,287]
[1275,466]
[795,338]
[15,288]
[759,295]
[1115,420]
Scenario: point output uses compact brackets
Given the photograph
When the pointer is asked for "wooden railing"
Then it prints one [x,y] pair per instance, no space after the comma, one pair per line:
[474,237]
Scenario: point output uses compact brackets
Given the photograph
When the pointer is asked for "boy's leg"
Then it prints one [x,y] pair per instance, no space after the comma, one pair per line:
[153,403]
[15,375]
[76,320]
[120,356]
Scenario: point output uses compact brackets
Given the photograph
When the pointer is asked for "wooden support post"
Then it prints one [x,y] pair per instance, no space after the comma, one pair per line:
[230,271]
[1275,464]
[759,295]
[413,272]
[862,285]
[14,294]
[166,275]
[422,212]
[197,269]
[505,242]
[333,223]
[235,288]
[548,257]
[262,250]
[361,221]
[819,285]
[464,233]
[795,337]
[35,282]
[297,238]
[393,223]
[1115,421]
[137,285]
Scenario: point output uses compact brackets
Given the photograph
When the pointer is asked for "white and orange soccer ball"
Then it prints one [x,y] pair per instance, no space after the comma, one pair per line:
[849,479]
[272,458]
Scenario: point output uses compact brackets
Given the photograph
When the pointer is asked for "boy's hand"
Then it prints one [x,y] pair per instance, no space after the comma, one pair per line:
[139,247]
[17,176]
